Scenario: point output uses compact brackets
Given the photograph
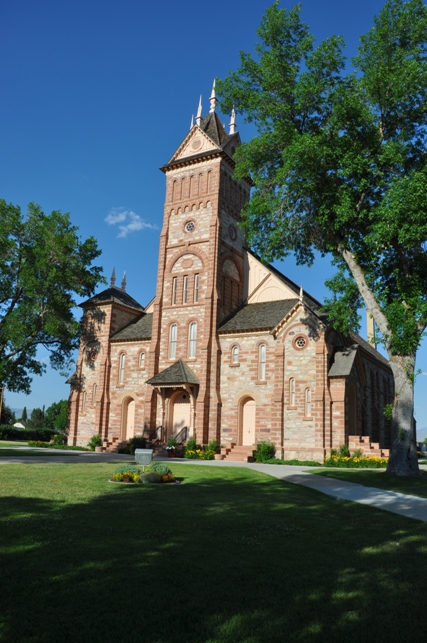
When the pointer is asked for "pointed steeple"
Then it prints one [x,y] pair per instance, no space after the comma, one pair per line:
[301,293]
[113,278]
[199,112]
[213,99]
[192,121]
[124,281]
[232,122]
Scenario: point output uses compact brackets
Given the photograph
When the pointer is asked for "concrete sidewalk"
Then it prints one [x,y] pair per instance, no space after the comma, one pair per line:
[398,503]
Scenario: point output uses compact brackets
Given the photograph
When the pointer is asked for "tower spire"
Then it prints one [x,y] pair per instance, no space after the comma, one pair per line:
[301,294]
[113,278]
[124,281]
[199,112]
[213,99]
[192,121]
[232,122]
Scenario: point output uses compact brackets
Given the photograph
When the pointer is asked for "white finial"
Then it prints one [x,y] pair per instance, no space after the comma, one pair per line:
[300,293]
[233,122]
[213,99]
[199,113]
[113,277]
[124,281]
[192,121]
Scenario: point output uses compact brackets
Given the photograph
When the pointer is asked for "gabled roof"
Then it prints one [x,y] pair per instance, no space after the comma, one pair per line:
[343,361]
[112,295]
[178,373]
[264,315]
[368,347]
[139,328]
[212,126]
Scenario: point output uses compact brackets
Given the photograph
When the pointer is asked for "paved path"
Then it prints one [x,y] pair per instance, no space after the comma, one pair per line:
[399,503]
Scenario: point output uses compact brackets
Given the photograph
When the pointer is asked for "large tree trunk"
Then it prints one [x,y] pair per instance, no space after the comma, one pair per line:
[403,459]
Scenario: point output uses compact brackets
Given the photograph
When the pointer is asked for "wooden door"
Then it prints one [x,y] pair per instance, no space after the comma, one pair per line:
[181,414]
[130,419]
[248,423]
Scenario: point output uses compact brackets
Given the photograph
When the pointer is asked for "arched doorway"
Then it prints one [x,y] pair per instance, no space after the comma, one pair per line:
[181,414]
[128,419]
[248,413]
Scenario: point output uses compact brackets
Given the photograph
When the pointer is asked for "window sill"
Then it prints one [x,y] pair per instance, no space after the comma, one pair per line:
[233,365]
[291,408]
[308,419]
[261,382]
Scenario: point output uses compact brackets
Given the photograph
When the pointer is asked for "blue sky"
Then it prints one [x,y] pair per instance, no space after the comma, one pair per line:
[97,96]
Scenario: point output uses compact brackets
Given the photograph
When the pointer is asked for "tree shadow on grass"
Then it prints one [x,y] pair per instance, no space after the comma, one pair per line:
[248,559]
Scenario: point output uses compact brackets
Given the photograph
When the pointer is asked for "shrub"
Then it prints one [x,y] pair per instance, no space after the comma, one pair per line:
[95,441]
[10,433]
[301,463]
[191,445]
[347,462]
[63,447]
[213,446]
[127,473]
[152,477]
[264,451]
[59,438]
[158,467]
[137,442]
[343,451]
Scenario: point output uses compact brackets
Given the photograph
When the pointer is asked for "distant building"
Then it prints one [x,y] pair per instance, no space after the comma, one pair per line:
[229,348]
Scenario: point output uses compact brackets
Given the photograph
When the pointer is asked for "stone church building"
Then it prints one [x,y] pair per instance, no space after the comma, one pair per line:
[229,348]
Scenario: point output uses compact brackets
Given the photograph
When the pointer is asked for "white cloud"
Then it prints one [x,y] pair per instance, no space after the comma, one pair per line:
[133,221]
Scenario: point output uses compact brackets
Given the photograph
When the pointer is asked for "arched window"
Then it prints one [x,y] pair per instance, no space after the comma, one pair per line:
[192,336]
[292,392]
[122,368]
[196,288]
[142,360]
[94,395]
[185,290]
[261,362]
[173,332]
[174,289]
[307,402]
[235,354]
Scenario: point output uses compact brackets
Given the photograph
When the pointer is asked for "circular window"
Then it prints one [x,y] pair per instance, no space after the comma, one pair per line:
[189,227]
[232,232]
[300,342]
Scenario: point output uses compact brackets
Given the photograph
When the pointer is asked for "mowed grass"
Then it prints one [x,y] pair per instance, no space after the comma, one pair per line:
[18,453]
[11,443]
[413,486]
[230,555]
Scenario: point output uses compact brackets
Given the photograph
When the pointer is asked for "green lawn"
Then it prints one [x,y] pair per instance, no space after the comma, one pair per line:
[11,443]
[18,453]
[230,555]
[380,479]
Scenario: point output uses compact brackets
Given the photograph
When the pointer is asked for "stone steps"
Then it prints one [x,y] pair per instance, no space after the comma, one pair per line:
[369,449]
[236,453]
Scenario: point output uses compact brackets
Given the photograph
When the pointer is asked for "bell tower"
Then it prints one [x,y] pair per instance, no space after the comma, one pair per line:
[200,279]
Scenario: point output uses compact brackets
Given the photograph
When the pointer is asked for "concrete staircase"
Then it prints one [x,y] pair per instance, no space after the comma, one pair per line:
[113,445]
[235,453]
[368,448]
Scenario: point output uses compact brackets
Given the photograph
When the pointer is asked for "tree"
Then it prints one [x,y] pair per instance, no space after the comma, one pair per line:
[56,416]
[7,416]
[24,418]
[43,265]
[36,420]
[339,166]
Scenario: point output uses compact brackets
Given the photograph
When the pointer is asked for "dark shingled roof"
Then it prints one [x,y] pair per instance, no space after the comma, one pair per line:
[213,127]
[139,328]
[343,361]
[112,295]
[264,315]
[178,373]
[368,348]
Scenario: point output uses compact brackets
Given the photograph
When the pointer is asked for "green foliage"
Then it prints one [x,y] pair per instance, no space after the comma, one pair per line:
[7,415]
[24,435]
[346,462]
[153,477]
[36,420]
[56,416]
[358,453]
[213,446]
[299,463]
[53,445]
[159,467]
[339,162]
[172,442]
[264,451]
[43,266]
[95,441]
[127,468]
[24,417]
[388,411]
[343,451]
[191,445]
[59,438]
[137,442]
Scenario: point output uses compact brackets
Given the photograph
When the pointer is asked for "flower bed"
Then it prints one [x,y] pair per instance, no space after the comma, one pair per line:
[155,474]
[347,462]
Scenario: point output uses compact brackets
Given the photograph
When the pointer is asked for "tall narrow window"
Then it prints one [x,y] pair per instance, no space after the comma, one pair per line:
[231,294]
[142,360]
[307,402]
[261,362]
[192,336]
[84,397]
[122,368]
[94,395]
[185,293]
[208,181]
[292,392]
[174,289]
[172,341]
[196,288]
[235,354]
